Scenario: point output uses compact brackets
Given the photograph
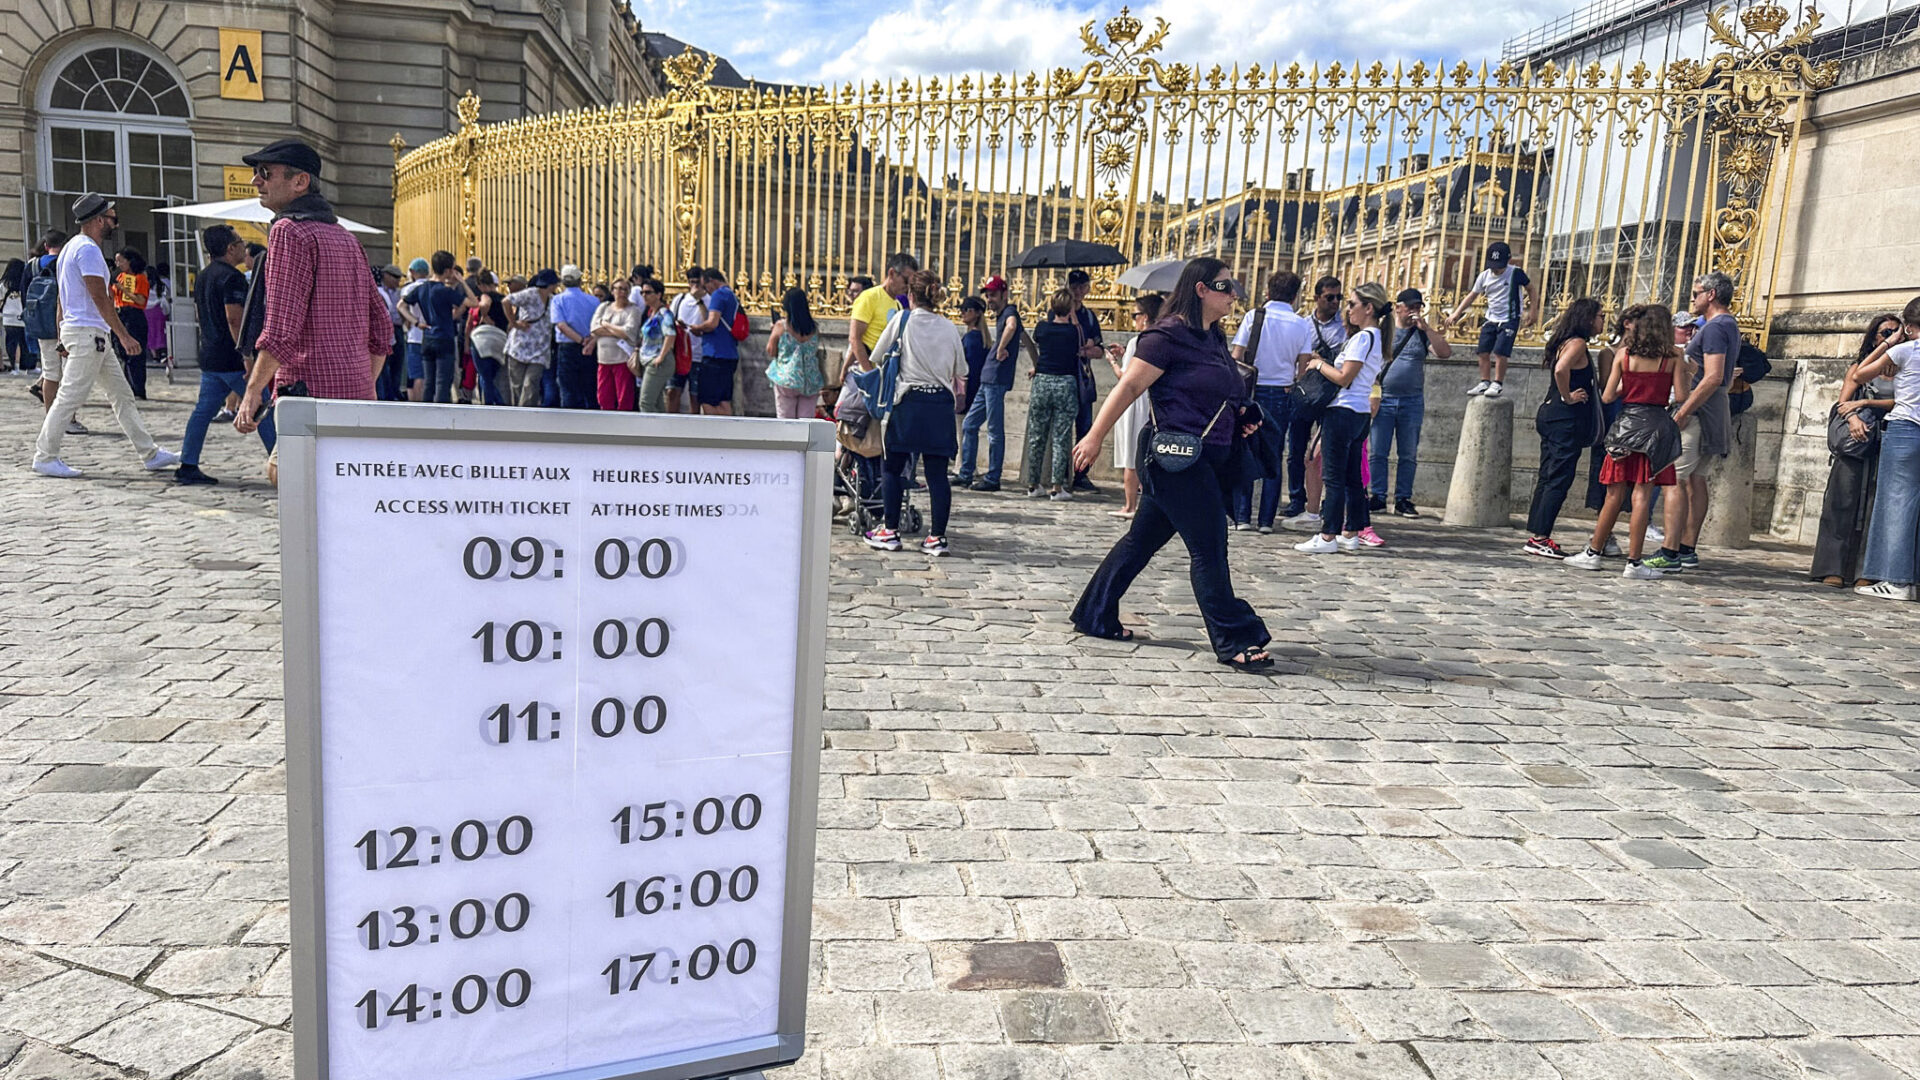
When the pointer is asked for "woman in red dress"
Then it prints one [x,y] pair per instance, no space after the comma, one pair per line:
[1646,378]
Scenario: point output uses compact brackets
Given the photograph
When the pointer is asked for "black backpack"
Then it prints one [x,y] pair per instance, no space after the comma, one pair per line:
[1749,367]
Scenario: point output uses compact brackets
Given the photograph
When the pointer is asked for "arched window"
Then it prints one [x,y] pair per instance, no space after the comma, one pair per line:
[115,80]
[115,120]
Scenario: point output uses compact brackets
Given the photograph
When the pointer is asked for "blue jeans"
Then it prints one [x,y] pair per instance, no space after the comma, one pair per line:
[1893,537]
[579,376]
[1397,421]
[214,388]
[441,361]
[1276,405]
[990,408]
[550,385]
[487,372]
[388,385]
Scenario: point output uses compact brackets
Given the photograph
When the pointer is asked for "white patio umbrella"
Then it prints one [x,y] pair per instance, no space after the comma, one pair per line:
[245,210]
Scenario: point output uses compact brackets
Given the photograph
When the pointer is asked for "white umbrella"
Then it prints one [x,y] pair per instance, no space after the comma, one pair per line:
[1160,276]
[246,210]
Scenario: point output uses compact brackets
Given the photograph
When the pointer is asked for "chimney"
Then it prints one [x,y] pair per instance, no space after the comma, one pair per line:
[1380,174]
[1418,162]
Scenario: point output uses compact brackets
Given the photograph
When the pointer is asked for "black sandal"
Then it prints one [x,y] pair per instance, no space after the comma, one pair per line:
[1123,634]
[1255,659]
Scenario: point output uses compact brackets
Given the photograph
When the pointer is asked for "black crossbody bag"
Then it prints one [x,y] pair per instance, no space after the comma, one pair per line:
[1314,392]
[1176,451]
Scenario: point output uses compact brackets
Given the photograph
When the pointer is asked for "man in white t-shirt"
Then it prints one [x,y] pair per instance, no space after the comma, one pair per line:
[418,274]
[689,309]
[1503,284]
[1285,340]
[87,327]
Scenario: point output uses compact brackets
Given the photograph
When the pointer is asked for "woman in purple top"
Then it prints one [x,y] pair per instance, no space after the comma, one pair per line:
[1193,387]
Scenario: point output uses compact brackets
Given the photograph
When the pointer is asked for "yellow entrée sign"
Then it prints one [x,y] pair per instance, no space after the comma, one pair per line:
[239,185]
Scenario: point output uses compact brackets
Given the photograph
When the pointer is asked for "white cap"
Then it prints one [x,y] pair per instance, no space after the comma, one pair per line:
[570,274]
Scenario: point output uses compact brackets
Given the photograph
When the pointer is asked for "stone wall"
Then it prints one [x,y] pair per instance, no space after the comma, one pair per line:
[1850,252]
[1446,400]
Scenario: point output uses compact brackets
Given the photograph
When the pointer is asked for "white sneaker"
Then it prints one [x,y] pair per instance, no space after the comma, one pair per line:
[56,467]
[1317,545]
[1479,388]
[1063,495]
[1588,559]
[1656,536]
[1496,389]
[1613,549]
[75,427]
[1348,545]
[1243,526]
[162,458]
[1641,572]
[1306,521]
[1884,590]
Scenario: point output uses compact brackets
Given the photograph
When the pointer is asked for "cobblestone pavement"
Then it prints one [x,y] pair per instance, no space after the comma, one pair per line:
[1491,818]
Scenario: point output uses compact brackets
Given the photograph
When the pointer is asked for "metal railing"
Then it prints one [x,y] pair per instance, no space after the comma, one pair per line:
[1400,174]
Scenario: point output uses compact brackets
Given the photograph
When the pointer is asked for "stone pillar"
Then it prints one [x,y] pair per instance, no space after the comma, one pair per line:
[1481,493]
[1729,521]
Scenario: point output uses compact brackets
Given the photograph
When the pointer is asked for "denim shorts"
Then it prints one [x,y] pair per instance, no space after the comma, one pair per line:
[713,380]
[1497,338]
[416,361]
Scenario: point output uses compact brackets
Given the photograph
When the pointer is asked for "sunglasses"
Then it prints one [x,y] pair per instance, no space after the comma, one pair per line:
[1223,285]
[1886,331]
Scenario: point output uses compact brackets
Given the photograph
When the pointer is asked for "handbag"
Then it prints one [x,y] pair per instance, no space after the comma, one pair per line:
[1314,392]
[1840,440]
[1083,378]
[878,384]
[1176,451]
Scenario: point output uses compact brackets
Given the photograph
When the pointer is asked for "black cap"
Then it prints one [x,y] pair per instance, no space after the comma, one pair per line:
[1411,298]
[90,206]
[289,152]
[545,279]
[1498,253]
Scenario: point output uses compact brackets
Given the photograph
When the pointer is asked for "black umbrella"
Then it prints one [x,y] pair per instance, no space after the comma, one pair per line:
[1067,253]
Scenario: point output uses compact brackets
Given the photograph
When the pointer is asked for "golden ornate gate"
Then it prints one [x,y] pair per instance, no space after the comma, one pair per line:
[1619,182]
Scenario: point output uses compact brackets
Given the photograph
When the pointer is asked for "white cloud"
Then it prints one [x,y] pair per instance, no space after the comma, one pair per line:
[844,40]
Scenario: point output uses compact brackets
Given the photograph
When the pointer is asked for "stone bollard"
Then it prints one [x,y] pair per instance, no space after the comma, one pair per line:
[1729,521]
[1481,492]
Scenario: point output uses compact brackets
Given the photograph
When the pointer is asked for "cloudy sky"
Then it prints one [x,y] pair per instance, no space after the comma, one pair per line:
[837,40]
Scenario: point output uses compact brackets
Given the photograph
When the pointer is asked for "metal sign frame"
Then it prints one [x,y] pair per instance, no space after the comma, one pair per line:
[301,422]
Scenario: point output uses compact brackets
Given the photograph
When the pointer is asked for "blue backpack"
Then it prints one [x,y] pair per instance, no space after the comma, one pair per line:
[43,304]
[878,385]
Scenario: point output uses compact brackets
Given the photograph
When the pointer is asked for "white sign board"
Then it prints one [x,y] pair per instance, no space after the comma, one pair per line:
[553,682]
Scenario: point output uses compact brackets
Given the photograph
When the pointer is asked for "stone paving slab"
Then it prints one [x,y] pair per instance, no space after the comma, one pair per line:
[1489,817]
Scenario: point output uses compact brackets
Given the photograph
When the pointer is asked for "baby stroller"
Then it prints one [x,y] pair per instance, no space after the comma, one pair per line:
[856,473]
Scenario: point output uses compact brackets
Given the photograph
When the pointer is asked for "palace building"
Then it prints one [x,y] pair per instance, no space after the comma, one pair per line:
[153,102]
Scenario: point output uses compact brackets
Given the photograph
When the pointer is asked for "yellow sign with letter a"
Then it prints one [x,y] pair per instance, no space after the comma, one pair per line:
[241,65]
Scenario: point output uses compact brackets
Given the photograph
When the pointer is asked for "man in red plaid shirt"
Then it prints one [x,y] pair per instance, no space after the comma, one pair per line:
[323,330]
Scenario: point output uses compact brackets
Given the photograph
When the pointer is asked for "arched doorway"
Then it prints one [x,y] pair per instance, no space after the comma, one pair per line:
[116,119]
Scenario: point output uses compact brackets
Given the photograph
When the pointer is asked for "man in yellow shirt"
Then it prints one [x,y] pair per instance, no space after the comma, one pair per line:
[875,306]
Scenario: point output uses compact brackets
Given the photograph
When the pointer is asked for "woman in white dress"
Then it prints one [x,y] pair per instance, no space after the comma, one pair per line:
[1126,432]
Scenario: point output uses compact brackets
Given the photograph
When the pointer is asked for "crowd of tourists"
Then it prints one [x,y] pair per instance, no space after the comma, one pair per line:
[1293,423]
